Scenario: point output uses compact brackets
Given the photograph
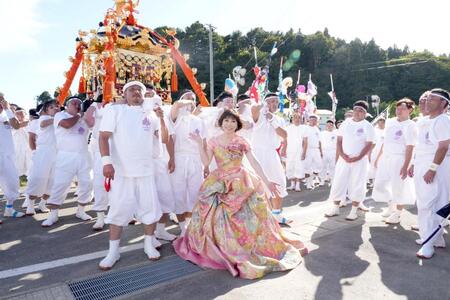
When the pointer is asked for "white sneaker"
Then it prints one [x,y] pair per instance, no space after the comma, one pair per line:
[30,210]
[150,249]
[425,252]
[109,261]
[98,226]
[334,211]
[352,216]
[10,212]
[49,221]
[164,235]
[362,207]
[394,218]
[42,206]
[25,202]
[81,214]
[387,212]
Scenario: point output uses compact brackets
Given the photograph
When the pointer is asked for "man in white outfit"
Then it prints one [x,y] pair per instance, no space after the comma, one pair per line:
[127,135]
[93,118]
[41,173]
[392,183]
[297,142]
[9,177]
[72,159]
[188,174]
[314,153]
[266,138]
[355,139]
[431,169]
[328,141]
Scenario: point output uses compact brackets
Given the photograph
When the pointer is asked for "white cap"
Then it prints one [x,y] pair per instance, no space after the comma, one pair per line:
[134,82]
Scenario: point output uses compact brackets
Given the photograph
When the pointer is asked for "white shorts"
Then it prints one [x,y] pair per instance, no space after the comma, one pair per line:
[41,173]
[9,177]
[67,166]
[163,185]
[186,181]
[313,161]
[388,185]
[131,197]
[271,164]
[349,178]
[100,195]
[295,166]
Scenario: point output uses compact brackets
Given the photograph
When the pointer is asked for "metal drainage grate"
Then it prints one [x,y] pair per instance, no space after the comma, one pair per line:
[124,282]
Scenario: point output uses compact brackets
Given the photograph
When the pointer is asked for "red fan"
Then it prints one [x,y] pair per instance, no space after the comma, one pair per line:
[107,184]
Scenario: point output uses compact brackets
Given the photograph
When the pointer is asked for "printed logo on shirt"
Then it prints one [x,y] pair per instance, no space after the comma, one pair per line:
[146,124]
[333,137]
[360,131]
[81,130]
[398,135]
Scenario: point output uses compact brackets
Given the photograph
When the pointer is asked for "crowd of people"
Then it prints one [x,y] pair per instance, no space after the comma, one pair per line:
[222,172]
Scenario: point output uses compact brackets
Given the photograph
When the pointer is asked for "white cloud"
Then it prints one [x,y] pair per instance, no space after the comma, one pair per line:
[21,19]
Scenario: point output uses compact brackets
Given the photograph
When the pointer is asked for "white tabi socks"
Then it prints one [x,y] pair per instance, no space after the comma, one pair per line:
[162,234]
[112,257]
[100,221]
[51,219]
[81,214]
[150,247]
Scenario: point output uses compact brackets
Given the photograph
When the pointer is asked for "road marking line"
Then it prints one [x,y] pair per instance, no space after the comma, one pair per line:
[66,261]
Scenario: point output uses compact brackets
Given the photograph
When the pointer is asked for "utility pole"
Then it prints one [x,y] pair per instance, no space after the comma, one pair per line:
[211,63]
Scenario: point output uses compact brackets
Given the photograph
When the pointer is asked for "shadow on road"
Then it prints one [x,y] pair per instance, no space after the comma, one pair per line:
[335,260]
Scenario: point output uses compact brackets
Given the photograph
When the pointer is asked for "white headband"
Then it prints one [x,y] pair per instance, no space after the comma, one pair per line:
[134,82]
[181,98]
[362,107]
[440,96]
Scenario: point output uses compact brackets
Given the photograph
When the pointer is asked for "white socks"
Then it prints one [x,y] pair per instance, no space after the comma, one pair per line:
[149,247]
[112,257]
[81,214]
[161,232]
[100,221]
[52,218]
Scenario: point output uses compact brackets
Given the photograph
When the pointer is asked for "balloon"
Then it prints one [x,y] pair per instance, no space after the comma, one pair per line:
[230,86]
[301,89]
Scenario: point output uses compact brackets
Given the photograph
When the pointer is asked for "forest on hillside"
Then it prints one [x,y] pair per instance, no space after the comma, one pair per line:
[359,68]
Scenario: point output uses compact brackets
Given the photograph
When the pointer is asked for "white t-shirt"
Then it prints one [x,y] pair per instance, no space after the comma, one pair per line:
[295,135]
[313,137]
[398,135]
[6,139]
[328,140]
[73,139]
[439,130]
[45,135]
[424,145]
[33,126]
[355,135]
[264,135]
[134,131]
[184,125]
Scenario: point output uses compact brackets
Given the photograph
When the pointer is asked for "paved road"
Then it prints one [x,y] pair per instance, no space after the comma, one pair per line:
[364,259]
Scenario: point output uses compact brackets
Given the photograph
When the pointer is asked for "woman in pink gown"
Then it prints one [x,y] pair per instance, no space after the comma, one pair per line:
[232,226]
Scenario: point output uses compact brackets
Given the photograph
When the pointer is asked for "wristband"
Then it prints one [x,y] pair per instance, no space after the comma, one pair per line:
[106,160]
[433,167]
[9,113]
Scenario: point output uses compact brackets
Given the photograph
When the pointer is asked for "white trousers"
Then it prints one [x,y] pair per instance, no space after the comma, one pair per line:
[67,166]
[271,164]
[295,166]
[329,164]
[313,161]
[431,197]
[186,181]
[100,195]
[163,185]
[9,177]
[388,185]
[41,173]
[131,197]
[349,179]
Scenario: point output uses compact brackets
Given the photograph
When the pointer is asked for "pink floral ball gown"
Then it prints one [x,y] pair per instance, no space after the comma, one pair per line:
[232,226]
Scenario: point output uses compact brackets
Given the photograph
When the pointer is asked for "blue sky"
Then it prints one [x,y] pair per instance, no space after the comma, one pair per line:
[41,33]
